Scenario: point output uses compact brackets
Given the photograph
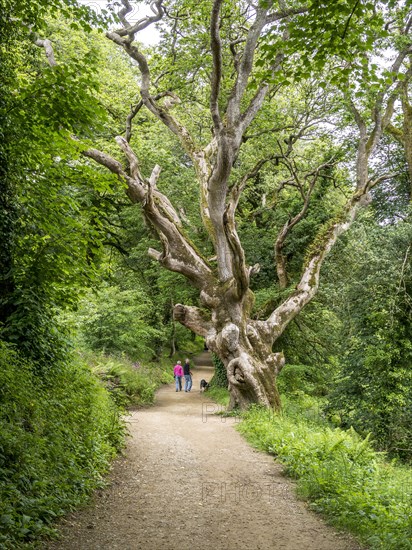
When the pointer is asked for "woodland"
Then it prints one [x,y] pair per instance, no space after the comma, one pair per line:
[244,182]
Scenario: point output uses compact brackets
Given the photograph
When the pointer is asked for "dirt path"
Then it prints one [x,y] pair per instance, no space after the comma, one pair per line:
[188,481]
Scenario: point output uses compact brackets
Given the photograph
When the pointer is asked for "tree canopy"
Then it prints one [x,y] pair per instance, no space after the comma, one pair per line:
[243,127]
[251,136]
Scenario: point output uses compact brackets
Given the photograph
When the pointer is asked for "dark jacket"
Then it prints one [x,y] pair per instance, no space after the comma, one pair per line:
[186,368]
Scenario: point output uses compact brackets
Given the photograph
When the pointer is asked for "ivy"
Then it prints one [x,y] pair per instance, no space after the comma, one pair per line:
[219,379]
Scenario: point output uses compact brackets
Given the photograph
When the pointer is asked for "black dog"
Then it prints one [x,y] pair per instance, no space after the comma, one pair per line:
[203,385]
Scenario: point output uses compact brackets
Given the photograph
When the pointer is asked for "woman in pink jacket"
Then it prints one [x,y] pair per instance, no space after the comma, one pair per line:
[178,374]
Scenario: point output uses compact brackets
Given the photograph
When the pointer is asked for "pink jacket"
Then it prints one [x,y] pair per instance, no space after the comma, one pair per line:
[178,370]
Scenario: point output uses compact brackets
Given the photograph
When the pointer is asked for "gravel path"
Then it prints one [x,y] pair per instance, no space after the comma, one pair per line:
[189,481]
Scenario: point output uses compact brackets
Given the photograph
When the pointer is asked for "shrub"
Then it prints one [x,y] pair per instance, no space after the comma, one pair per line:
[129,382]
[117,320]
[57,436]
[302,378]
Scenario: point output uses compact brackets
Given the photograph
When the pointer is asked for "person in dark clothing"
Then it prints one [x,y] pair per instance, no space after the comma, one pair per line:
[188,375]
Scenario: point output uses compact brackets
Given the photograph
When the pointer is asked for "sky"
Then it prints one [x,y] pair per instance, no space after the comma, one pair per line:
[148,36]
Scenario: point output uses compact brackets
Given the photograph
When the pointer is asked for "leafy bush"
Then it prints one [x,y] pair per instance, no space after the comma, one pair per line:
[307,378]
[129,383]
[57,436]
[186,342]
[340,474]
[118,320]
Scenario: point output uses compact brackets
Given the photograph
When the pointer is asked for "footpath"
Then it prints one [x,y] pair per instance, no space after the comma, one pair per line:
[189,481]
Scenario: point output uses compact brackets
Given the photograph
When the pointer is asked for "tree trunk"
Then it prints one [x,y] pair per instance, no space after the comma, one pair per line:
[251,377]
[252,381]
[243,345]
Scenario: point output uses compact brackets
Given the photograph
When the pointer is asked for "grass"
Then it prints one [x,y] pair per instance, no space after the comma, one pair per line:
[219,395]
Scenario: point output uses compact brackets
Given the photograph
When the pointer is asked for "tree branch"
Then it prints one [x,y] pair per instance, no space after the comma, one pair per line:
[362,153]
[373,182]
[245,67]
[133,51]
[237,189]
[241,272]
[309,281]
[280,241]
[131,30]
[179,254]
[106,160]
[48,48]
[396,133]
[255,104]
[131,157]
[133,112]
[345,30]
[383,118]
[277,16]
[216,47]
[193,318]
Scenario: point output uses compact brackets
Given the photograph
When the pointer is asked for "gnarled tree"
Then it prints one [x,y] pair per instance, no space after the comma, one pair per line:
[237,93]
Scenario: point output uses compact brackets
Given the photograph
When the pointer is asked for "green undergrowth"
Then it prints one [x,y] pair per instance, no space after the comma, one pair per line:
[59,430]
[130,383]
[219,395]
[340,473]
